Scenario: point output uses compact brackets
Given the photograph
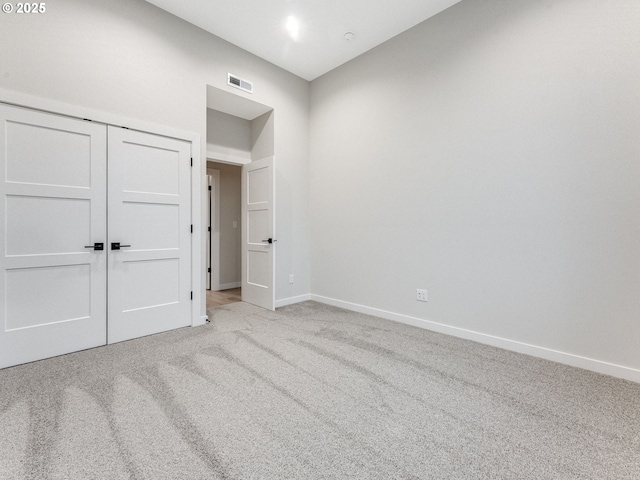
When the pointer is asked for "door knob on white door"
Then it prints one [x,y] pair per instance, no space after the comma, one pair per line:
[117,246]
[269,240]
[96,246]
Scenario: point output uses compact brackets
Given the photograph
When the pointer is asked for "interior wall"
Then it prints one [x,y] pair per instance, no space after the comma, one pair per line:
[490,156]
[230,212]
[228,137]
[262,136]
[129,58]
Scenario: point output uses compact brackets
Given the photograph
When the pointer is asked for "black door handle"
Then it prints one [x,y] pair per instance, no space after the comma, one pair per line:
[117,246]
[269,240]
[96,246]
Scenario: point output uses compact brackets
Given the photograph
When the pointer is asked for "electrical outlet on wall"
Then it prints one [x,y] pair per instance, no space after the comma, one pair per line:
[422,295]
[291,278]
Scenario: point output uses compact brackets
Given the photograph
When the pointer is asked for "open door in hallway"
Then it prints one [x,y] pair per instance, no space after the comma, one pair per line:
[258,240]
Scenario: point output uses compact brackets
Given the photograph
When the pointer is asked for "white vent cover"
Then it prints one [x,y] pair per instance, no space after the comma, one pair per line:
[240,83]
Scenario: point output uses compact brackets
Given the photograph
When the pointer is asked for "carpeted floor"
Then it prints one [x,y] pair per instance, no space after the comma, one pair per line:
[312,392]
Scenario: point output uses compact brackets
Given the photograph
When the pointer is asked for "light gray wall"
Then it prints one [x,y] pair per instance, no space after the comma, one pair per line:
[129,58]
[230,210]
[228,135]
[492,156]
[262,136]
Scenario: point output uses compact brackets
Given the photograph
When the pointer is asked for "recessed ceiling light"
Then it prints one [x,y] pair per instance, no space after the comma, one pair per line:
[349,36]
[293,27]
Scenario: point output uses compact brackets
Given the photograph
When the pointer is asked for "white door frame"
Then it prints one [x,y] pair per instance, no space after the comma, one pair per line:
[214,221]
[208,240]
[198,307]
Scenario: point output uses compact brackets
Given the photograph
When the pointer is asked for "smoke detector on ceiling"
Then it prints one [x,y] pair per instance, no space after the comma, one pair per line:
[240,83]
[349,36]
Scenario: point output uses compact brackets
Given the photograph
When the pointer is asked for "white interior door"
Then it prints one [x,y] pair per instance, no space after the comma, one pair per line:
[258,241]
[149,216]
[52,207]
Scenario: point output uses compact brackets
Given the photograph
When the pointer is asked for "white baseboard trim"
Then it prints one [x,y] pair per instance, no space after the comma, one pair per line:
[290,301]
[593,365]
[227,286]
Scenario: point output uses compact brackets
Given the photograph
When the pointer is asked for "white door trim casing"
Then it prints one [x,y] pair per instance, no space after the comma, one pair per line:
[208,240]
[198,316]
[214,219]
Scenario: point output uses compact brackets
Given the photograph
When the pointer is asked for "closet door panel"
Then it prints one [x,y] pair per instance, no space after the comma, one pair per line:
[52,206]
[149,216]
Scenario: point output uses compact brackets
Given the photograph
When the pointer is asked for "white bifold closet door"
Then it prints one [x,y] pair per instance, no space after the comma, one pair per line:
[52,207]
[62,198]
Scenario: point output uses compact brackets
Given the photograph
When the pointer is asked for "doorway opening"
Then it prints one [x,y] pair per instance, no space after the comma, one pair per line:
[224,273]
[240,166]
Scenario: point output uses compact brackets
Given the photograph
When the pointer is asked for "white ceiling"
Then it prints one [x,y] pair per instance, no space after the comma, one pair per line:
[259,26]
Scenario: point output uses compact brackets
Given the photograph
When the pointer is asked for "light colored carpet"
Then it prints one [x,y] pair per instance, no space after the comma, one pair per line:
[312,392]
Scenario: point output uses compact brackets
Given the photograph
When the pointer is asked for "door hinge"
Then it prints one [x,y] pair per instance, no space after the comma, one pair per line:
[192,228]
[209,187]
[191,294]
[87,120]
[192,161]
[208,229]
[209,270]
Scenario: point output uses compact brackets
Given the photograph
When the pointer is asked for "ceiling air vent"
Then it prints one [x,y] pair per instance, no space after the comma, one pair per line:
[240,83]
